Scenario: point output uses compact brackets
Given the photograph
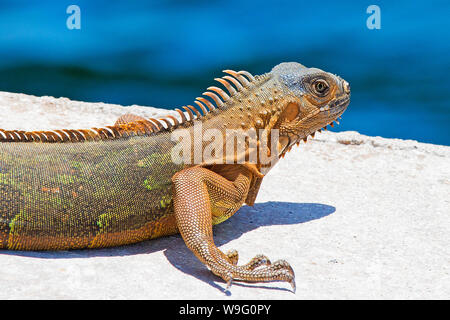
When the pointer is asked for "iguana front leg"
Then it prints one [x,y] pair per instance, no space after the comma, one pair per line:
[199,194]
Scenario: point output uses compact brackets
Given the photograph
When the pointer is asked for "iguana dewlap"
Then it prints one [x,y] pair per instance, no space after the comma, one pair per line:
[100,187]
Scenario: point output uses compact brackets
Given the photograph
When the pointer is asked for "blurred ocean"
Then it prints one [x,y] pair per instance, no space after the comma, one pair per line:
[165,53]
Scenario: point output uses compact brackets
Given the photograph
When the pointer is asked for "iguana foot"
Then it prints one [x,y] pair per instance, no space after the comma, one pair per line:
[259,269]
[196,191]
[233,256]
[259,260]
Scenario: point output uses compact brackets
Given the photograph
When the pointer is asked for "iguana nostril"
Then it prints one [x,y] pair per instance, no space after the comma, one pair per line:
[346,86]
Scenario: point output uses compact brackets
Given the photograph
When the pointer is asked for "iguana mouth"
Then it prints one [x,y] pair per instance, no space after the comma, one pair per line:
[336,107]
[339,105]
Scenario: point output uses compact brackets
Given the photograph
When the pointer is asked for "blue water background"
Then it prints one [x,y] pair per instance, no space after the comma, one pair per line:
[165,53]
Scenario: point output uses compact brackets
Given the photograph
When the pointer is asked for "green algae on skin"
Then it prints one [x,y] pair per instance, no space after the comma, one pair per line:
[81,190]
[5,179]
[66,179]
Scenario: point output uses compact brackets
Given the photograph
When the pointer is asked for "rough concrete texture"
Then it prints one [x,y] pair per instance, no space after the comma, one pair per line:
[357,217]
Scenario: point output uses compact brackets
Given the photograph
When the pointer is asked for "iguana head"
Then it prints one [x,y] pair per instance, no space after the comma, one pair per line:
[310,100]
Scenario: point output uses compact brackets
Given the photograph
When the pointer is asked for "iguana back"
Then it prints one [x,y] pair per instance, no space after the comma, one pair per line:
[91,194]
[66,189]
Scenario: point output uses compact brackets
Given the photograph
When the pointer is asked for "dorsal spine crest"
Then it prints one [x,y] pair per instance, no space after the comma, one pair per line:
[238,84]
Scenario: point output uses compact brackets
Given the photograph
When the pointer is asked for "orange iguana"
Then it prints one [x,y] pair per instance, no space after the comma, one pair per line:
[120,184]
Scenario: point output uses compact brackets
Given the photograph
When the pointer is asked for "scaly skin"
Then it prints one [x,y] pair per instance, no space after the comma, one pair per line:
[120,185]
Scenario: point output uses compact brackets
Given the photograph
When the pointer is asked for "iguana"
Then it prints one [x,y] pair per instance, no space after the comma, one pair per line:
[119,184]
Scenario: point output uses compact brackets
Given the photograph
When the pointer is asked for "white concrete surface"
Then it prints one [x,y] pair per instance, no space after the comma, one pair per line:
[357,217]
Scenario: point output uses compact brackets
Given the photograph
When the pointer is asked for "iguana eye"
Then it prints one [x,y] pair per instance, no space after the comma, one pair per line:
[320,87]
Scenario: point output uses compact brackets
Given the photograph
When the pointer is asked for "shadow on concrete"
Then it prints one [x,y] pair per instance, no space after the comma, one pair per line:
[245,220]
